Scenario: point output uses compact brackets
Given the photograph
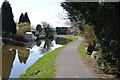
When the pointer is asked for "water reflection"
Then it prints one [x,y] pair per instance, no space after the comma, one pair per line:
[38,42]
[8,56]
[0,57]
[23,54]
[16,59]
[47,46]
[62,41]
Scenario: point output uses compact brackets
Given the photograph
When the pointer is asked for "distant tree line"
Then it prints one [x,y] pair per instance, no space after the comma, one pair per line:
[104,19]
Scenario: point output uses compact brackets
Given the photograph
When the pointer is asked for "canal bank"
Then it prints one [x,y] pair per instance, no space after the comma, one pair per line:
[17,59]
[45,66]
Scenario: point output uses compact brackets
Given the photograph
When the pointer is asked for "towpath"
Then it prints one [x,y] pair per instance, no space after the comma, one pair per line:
[70,65]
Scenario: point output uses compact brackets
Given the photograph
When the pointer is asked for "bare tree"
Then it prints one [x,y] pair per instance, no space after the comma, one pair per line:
[49,31]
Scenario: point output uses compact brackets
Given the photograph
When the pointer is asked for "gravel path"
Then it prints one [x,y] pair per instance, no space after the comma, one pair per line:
[70,65]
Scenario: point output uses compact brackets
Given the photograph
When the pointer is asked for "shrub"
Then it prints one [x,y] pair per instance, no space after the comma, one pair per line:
[20,37]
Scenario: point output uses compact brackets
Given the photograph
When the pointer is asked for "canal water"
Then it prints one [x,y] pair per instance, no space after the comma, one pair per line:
[17,59]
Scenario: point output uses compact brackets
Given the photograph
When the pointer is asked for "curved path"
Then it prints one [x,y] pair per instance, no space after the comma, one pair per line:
[70,65]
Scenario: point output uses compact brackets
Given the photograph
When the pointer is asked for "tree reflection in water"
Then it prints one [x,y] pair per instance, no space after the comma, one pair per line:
[47,46]
[23,54]
[8,57]
[62,41]
[38,43]
[7,61]
[9,53]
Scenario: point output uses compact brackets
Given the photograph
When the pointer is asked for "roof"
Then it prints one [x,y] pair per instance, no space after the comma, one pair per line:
[28,33]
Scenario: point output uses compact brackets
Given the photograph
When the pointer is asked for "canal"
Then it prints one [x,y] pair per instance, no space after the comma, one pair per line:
[17,59]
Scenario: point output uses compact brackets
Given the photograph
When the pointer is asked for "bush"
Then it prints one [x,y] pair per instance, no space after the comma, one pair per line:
[20,37]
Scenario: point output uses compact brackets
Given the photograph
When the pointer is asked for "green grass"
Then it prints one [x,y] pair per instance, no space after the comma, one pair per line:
[45,66]
[65,36]
[82,49]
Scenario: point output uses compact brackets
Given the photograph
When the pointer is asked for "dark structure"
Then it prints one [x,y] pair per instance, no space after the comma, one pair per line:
[24,18]
[61,30]
[8,24]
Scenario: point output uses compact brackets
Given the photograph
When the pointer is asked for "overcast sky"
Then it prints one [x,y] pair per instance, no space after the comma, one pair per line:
[38,11]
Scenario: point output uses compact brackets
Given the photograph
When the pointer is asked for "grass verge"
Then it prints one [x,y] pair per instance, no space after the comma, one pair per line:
[45,66]
[82,49]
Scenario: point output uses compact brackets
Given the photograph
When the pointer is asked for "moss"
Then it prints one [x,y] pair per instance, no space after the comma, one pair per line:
[45,66]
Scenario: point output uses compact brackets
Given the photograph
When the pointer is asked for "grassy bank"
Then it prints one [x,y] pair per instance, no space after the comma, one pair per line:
[45,66]
[82,49]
